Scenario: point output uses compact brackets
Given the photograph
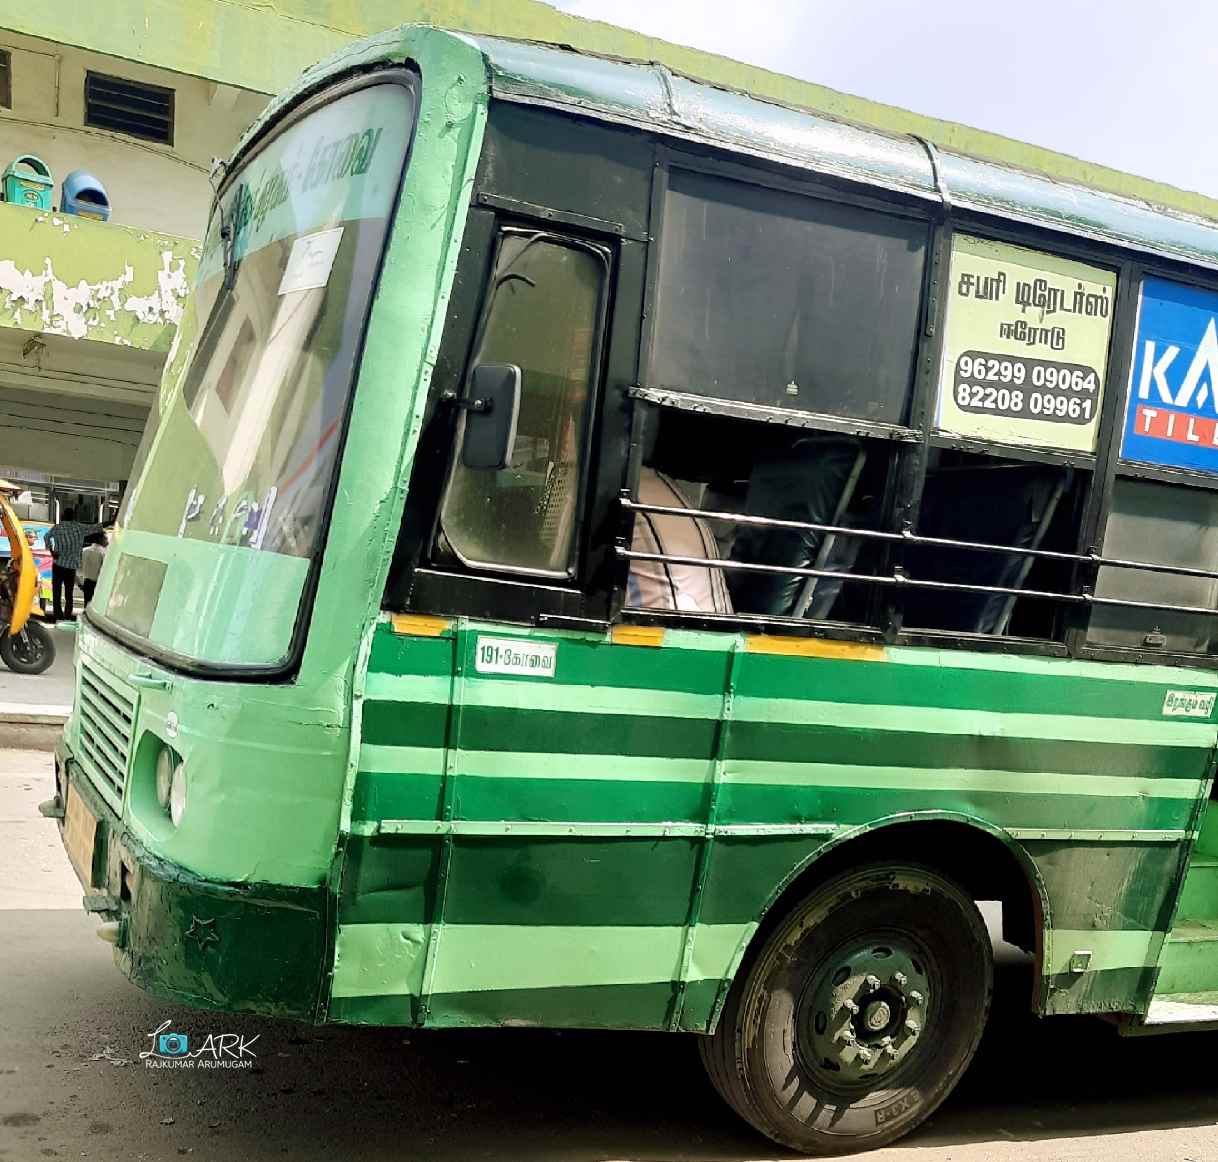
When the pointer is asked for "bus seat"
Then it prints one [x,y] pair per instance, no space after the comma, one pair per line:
[1008,504]
[813,482]
[839,555]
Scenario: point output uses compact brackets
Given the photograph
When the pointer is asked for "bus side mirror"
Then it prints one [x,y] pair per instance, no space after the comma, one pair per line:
[492,406]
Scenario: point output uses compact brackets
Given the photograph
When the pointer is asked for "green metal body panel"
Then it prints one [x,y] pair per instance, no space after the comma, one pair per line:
[443,846]
[535,850]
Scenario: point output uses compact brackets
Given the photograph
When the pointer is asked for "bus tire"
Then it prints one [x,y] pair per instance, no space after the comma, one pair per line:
[32,650]
[860,1013]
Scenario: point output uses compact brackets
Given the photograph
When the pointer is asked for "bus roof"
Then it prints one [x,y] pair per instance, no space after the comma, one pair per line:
[652,97]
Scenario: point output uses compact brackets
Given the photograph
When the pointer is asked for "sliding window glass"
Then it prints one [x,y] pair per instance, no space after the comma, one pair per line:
[769,297]
[1162,524]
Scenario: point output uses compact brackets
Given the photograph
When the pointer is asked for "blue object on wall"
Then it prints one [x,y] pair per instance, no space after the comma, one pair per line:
[1171,417]
[84,195]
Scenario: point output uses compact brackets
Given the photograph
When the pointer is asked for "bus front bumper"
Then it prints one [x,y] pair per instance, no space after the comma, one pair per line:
[236,947]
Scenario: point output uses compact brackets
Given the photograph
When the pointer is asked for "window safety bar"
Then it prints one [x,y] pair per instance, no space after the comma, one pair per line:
[908,537]
[900,578]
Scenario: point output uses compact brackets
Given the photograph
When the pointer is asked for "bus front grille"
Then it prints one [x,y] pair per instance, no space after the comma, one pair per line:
[107,718]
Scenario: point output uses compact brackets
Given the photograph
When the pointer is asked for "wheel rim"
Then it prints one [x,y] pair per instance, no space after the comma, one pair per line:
[27,649]
[864,1012]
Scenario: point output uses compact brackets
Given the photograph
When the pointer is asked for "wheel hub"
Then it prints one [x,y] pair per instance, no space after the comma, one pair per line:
[877,1016]
[865,1011]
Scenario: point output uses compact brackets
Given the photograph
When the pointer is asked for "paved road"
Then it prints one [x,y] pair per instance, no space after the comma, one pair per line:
[71,1084]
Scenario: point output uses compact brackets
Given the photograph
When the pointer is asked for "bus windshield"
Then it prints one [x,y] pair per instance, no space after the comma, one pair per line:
[256,393]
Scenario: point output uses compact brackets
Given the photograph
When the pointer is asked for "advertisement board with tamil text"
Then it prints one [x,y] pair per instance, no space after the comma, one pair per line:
[1026,346]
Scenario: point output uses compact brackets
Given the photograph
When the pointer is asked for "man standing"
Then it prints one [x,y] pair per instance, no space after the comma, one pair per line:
[91,558]
[66,541]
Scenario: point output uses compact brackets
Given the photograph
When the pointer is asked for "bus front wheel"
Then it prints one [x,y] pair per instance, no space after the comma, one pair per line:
[860,1013]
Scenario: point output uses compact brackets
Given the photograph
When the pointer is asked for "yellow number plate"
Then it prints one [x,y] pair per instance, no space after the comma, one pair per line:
[79,833]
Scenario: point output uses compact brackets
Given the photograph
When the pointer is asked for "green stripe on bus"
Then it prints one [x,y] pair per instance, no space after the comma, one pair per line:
[831,776]
[605,787]
[404,723]
[523,879]
[568,800]
[618,1006]
[997,723]
[535,787]
[538,695]
[381,795]
[378,959]
[391,1009]
[388,880]
[489,764]
[569,733]
[425,760]
[900,748]
[1051,667]
[394,653]
[414,690]
[489,728]
[966,682]
[856,805]
[436,689]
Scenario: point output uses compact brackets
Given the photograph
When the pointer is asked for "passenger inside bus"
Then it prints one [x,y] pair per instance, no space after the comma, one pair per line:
[721,464]
[758,470]
[665,584]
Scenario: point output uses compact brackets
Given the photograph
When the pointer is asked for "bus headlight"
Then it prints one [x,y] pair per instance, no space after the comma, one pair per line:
[165,763]
[177,793]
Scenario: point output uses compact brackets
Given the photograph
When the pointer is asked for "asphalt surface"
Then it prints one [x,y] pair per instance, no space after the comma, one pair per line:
[72,1084]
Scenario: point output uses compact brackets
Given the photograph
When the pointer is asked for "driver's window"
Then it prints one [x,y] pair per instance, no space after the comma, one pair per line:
[543,315]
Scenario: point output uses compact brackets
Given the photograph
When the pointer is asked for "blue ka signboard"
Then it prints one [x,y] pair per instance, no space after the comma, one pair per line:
[1171,418]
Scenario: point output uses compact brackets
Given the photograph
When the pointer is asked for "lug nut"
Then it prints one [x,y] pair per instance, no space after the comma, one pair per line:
[916,998]
[890,1051]
[911,1027]
[847,1035]
[866,1056]
[872,982]
[900,980]
[850,1006]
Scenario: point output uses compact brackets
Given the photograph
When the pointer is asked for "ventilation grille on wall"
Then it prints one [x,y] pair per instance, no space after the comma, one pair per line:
[6,78]
[131,107]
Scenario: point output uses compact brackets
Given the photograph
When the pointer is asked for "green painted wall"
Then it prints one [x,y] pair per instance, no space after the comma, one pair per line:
[64,275]
[228,40]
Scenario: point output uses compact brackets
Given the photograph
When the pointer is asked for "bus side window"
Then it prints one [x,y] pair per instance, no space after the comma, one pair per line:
[742,468]
[1162,524]
[985,499]
[981,498]
[543,314]
[814,480]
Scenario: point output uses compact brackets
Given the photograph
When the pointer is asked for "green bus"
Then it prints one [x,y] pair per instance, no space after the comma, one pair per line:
[611,552]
